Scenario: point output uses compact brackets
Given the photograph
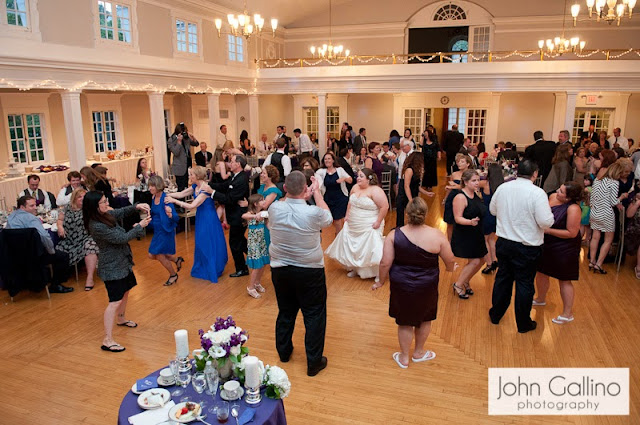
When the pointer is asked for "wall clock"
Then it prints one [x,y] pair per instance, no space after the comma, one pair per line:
[444,100]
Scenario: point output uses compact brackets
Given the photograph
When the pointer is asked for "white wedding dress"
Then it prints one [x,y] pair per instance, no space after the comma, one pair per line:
[358,246]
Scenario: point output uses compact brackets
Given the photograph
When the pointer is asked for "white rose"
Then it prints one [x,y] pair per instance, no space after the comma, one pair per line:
[235,350]
[219,352]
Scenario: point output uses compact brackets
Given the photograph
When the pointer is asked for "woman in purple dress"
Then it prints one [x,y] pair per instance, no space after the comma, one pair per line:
[561,250]
[372,162]
[410,261]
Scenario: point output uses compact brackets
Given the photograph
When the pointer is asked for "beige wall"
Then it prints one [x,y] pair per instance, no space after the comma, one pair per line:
[58,131]
[373,112]
[153,22]
[632,129]
[67,22]
[523,113]
[87,126]
[358,46]
[275,110]
[136,121]
[4,140]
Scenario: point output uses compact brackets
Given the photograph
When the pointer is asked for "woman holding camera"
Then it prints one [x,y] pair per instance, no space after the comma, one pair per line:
[180,144]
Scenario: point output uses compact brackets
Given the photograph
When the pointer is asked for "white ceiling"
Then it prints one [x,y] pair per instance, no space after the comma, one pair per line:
[313,13]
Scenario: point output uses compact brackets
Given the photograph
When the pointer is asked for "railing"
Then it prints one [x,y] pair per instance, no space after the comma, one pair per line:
[452,57]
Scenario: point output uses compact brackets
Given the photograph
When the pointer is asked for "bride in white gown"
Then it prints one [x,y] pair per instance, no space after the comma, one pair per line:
[358,246]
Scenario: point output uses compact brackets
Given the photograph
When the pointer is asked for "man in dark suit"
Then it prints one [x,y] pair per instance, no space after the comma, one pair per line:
[541,152]
[360,141]
[509,154]
[451,144]
[229,193]
[591,134]
[203,157]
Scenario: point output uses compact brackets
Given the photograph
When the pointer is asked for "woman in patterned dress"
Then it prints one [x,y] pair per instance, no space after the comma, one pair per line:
[604,197]
[257,243]
[75,240]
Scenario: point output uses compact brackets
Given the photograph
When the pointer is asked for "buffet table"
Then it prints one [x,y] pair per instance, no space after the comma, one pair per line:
[269,412]
[123,170]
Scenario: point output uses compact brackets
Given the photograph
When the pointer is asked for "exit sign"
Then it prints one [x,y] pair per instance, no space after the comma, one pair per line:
[592,99]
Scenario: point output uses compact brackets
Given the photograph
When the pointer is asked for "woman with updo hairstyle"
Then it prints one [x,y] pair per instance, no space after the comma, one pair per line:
[165,220]
[309,162]
[269,176]
[358,246]
[467,239]
[453,188]
[372,161]
[561,250]
[410,262]
[409,184]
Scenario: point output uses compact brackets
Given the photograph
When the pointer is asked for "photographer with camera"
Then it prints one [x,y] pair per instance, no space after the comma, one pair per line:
[179,144]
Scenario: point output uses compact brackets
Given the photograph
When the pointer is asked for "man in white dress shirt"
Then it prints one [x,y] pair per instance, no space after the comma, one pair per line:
[42,197]
[523,213]
[407,149]
[279,159]
[619,139]
[75,182]
[305,147]
[220,141]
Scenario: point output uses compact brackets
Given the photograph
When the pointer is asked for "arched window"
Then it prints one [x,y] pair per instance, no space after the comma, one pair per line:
[461,45]
[450,12]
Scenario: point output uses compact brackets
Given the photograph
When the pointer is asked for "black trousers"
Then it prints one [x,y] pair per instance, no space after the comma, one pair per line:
[238,245]
[515,262]
[60,264]
[299,288]
[451,159]
[182,182]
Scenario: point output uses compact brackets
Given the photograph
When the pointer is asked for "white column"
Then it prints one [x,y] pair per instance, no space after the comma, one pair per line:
[491,136]
[213,100]
[298,116]
[254,119]
[73,125]
[620,115]
[559,113]
[158,135]
[570,111]
[322,124]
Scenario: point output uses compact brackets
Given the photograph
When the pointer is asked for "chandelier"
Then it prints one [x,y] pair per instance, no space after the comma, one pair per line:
[329,51]
[560,45]
[615,11]
[243,25]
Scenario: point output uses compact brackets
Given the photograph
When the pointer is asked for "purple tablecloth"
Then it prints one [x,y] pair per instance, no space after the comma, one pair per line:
[270,412]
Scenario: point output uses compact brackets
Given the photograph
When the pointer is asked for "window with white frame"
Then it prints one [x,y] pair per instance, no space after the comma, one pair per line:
[413,120]
[450,12]
[187,36]
[17,13]
[457,116]
[26,137]
[104,131]
[599,118]
[333,121]
[481,43]
[236,48]
[167,123]
[311,120]
[476,125]
[115,21]
[428,117]
[459,46]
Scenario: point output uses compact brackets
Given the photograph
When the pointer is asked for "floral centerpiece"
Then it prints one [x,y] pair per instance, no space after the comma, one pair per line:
[223,345]
[277,382]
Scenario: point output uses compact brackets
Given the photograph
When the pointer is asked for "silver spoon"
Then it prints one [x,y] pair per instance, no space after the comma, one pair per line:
[234,412]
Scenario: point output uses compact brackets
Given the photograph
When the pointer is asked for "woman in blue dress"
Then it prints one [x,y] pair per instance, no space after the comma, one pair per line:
[163,243]
[210,252]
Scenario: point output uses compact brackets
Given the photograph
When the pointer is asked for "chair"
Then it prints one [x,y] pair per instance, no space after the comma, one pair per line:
[187,214]
[620,251]
[21,261]
[385,184]
[539,181]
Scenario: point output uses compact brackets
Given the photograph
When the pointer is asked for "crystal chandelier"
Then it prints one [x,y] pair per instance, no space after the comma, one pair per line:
[328,50]
[560,45]
[242,25]
[615,11]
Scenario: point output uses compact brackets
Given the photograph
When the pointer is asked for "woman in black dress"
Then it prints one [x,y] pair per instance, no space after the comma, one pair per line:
[409,185]
[467,239]
[333,181]
[561,249]
[431,154]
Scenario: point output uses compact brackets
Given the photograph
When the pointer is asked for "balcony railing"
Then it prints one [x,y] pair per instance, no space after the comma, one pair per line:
[450,57]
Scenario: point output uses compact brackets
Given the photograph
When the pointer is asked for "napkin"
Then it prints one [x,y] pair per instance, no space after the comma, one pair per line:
[152,417]
[247,416]
[146,384]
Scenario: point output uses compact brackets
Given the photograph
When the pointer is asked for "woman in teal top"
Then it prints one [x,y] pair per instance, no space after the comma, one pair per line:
[268,189]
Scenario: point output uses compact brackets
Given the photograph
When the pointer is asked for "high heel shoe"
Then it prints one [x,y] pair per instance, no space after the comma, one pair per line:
[490,268]
[598,269]
[172,279]
[179,262]
[468,289]
[460,291]
[590,266]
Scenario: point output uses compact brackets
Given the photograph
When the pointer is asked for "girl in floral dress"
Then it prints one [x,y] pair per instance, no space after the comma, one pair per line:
[258,243]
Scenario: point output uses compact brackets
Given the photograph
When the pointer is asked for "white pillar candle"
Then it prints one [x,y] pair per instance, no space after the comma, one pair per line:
[182,342]
[251,372]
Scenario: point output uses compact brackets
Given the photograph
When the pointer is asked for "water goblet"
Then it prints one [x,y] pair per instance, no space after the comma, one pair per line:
[184,378]
[222,412]
[199,382]
[175,368]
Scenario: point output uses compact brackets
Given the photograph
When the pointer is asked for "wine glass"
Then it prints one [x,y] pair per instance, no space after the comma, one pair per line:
[184,378]
[175,368]
[199,382]
[213,381]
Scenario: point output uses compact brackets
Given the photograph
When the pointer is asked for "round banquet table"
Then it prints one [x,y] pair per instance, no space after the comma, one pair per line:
[269,412]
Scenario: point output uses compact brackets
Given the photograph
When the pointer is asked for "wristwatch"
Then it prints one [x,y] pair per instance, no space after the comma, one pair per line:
[213,191]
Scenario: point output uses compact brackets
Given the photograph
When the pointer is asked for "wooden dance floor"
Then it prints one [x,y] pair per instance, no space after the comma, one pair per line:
[55,373]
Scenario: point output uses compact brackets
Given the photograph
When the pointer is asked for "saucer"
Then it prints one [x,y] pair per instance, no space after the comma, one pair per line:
[223,395]
[144,399]
[164,383]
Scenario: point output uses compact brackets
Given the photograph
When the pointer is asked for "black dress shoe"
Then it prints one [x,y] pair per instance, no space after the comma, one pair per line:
[494,321]
[315,369]
[530,328]
[59,289]
[240,273]
[286,358]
